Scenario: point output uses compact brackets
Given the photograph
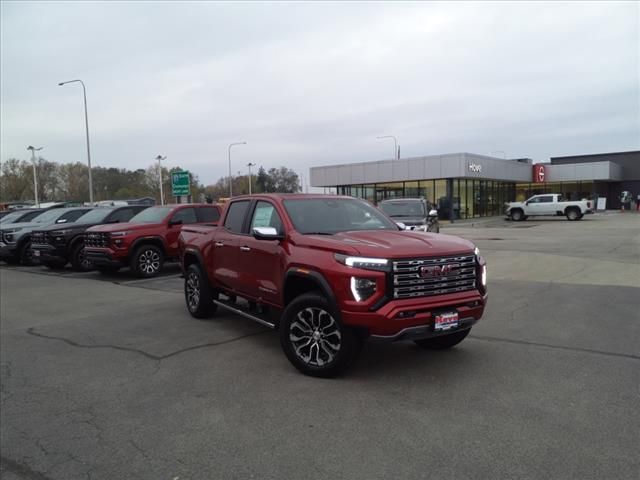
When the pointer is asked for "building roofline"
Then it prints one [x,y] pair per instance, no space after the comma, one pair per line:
[596,154]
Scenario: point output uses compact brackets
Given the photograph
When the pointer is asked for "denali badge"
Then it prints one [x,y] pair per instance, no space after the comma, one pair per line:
[438,270]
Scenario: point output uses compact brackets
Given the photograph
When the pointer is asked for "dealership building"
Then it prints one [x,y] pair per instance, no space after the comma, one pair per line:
[468,185]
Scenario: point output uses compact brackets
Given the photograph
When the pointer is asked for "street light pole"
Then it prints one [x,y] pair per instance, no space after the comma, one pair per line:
[86,124]
[35,178]
[230,182]
[395,145]
[160,158]
[250,165]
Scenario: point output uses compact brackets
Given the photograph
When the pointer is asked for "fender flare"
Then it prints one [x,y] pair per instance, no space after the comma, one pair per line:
[315,277]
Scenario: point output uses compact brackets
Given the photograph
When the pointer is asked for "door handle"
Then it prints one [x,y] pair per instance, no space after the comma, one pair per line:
[245,249]
[219,244]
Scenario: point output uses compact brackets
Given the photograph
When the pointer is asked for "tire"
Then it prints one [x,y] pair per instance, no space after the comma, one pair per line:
[107,269]
[26,255]
[443,342]
[79,261]
[573,214]
[197,293]
[517,215]
[311,321]
[147,261]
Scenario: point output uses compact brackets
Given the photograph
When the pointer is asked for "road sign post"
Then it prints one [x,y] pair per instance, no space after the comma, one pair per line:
[180,185]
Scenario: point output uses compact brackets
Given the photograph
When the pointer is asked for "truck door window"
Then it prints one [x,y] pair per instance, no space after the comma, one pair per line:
[546,199]
[187,215]
[235,216]
[265,215]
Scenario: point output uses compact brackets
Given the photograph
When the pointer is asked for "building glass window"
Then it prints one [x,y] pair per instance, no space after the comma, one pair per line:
[441,196]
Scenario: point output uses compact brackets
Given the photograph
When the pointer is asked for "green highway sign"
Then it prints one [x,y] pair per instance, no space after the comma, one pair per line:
[180,184]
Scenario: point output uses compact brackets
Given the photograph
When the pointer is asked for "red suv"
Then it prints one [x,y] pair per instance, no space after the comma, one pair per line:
[148,240]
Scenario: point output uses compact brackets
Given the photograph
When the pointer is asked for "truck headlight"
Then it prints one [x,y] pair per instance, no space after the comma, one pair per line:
[120,234]
[483,276]
[476,252]
[362,288]
[379,264]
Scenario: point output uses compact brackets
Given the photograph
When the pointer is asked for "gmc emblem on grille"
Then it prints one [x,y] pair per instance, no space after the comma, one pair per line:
[438,270]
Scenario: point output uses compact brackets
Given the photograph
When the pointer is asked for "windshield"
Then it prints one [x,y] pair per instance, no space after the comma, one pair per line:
[403,209]
[152,215]
[11,217]
[333,215]
[50,216]
[94,216]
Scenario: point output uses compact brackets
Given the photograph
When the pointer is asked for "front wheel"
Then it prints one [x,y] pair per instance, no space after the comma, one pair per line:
[147,261]
[517,215]
[26,254]
[443,342]
[314,339]
[197,293]
[79,261]
[573,214]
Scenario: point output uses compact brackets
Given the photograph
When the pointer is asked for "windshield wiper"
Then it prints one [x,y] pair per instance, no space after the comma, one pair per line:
[317,233]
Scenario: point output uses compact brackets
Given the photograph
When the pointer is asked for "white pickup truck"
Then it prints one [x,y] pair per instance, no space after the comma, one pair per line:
[548,204]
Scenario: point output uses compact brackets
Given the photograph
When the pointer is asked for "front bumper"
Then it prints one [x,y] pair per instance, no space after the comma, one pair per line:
[414,318]
[103,257]
[48,252]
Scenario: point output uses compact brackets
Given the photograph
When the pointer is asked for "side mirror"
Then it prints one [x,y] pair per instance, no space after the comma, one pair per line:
[175,222]
[266,233]
[401,226]
[433,212]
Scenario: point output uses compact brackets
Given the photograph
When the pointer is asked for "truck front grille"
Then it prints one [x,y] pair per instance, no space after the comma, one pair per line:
[96,240]
[40,238]
[433,276]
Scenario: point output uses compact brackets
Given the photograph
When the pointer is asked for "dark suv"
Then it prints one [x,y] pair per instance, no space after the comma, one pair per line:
[57,245]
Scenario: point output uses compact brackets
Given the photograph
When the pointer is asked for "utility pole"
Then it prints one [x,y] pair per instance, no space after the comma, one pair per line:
[86,124]
[35,178]
[230,179]
[160,158]
[250,165]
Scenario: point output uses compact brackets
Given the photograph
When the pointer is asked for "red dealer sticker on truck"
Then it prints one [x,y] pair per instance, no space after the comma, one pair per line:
[445,321]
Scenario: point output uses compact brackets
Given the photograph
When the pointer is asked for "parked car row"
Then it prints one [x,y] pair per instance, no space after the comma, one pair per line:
[105,238]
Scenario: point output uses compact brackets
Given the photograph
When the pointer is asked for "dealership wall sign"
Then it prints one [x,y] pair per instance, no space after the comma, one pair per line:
[475,167]
[539,174]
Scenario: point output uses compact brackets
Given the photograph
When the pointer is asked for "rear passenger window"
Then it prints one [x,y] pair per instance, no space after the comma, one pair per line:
[208,214]
[120,216]
[235,216]
[187,215]
[72,216]
[546,199]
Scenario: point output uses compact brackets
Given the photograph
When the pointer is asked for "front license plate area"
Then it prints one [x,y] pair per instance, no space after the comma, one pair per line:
[445,321]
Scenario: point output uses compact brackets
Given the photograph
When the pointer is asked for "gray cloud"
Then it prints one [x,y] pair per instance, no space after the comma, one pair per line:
[312,84]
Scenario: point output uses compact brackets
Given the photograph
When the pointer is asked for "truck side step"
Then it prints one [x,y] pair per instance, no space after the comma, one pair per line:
[245,312]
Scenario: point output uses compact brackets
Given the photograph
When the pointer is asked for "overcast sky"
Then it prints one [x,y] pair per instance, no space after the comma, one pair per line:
[309,84]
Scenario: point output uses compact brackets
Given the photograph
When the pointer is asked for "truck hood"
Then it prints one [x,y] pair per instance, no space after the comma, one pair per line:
[65,226]
[388,243]
[121,227]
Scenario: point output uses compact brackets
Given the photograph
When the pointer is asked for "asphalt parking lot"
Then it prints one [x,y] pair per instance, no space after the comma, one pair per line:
[109,377]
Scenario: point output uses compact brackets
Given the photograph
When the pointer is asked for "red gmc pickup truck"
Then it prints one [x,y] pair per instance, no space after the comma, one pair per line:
[147,240]
[329,272]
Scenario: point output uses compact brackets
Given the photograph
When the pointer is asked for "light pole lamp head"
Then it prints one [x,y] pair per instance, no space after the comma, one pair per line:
[160,157]
[34,149]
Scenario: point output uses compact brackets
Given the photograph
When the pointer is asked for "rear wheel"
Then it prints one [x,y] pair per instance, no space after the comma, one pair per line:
[517,215]
[573,214]
[198,293]
[26,254]
[147,261]
[314,339]
[443,342]
[79,260]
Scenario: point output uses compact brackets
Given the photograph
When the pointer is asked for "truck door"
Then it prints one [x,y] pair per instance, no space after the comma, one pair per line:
[185,215]
[534,206]
[262,264]
[226,256]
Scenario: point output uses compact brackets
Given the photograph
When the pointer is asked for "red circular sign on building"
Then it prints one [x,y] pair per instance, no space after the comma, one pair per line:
[539,173]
